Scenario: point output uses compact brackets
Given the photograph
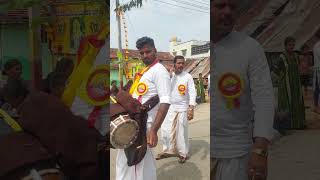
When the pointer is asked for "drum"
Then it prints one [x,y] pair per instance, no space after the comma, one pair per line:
[40,170]
[44,174]
[123,132]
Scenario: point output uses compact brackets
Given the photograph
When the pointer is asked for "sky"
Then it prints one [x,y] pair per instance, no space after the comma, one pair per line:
[162,20]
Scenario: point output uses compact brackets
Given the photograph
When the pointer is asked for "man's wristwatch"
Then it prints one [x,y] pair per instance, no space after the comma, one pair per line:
[260,152]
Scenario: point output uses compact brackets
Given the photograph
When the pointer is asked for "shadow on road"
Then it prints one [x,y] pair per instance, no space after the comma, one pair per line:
[172,170]
[197,146]
[176,171]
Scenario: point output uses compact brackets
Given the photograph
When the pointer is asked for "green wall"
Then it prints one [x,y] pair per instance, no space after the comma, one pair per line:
[114,75]
[14,43]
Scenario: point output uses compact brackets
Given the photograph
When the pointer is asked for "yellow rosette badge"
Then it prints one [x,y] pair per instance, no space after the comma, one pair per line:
[182,89]
[231,86]
[142,89]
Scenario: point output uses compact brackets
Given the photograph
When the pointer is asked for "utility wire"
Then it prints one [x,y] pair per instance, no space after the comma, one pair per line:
[191,4]
[202,2]
[206,12]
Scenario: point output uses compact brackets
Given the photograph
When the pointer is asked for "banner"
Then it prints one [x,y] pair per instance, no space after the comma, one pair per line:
[74,22]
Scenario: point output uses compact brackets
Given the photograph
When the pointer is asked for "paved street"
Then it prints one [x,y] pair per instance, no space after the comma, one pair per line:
[198,166]
[296,156]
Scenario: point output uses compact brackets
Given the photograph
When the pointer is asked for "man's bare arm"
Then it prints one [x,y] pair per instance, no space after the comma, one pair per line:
[152,137]
[161,114]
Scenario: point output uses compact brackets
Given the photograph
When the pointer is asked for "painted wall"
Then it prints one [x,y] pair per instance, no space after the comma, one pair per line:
[14,43]
[134,66]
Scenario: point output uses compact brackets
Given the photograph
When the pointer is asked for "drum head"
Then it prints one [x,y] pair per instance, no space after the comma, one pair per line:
[125,134]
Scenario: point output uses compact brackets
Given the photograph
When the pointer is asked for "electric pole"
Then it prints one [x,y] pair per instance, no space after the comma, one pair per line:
[120,60]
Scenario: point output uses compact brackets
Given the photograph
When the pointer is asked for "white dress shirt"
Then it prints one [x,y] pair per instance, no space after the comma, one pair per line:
[181,102]
[157,79]
[232,130]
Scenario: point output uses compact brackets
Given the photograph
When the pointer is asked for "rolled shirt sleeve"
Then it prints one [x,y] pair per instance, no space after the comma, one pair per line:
[192,91]
[163,85]
[262,95]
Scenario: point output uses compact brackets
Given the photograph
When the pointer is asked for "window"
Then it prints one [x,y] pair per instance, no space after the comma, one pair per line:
[184,52]
[200,49]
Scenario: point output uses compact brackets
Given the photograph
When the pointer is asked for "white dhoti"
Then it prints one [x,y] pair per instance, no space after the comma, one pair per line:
[231,168]
[145,170]
[174,133]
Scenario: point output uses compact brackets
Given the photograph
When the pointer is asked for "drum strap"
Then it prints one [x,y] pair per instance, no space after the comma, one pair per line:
[10,121]
[93,116]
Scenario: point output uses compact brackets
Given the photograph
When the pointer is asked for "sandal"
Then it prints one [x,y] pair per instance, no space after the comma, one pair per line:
[162,156]
[182,159]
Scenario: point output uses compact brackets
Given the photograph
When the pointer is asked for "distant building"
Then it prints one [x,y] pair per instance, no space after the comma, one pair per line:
[189,49]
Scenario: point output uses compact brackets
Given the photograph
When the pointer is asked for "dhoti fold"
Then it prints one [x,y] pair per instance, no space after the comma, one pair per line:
[174,133]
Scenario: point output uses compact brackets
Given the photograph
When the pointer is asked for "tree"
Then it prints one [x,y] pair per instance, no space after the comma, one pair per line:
[133,3]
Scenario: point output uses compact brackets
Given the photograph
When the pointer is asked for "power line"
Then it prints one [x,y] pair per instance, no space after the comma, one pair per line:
[170,6]
[206,12]
[205,1]
[191,4]
[202,2]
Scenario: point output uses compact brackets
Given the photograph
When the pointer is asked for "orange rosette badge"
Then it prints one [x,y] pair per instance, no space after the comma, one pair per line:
[142,89]
[231,86]
[182,89]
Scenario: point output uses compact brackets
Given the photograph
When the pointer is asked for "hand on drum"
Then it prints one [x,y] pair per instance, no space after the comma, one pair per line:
[152,138]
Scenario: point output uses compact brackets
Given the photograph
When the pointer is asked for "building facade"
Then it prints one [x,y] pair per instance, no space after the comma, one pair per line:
[189,49]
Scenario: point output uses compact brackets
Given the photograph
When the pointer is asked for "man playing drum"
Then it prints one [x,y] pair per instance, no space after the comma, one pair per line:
[152,81]
[242,107]
[174,130]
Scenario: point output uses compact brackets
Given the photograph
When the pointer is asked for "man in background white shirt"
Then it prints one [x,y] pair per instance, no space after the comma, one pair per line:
[242,106]
[174,130]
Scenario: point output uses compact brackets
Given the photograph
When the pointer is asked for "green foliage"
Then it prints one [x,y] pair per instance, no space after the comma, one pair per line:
[132,4]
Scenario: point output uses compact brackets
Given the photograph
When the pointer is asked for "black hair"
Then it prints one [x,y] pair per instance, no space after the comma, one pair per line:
[10,64]
[177,57]
[143,41]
